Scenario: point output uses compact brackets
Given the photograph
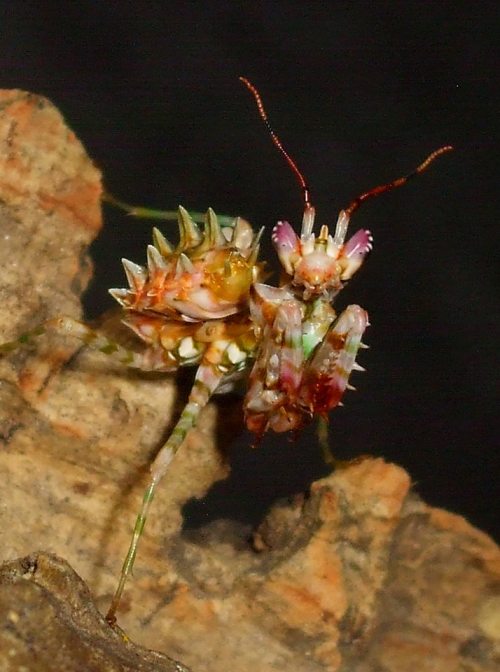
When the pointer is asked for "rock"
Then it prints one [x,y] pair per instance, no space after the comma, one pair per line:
[48,622]
[356,575]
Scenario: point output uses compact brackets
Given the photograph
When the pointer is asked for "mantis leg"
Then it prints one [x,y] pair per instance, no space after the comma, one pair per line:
[326,376]
[324,444]
[141,212]
[276,374]
[208,378]
[328,455]
[149,360]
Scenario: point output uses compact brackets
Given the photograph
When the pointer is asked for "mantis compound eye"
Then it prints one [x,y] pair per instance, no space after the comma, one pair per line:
[287,245]
[354,252]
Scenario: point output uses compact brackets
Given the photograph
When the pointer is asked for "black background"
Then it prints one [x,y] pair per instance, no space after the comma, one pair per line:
[360,93]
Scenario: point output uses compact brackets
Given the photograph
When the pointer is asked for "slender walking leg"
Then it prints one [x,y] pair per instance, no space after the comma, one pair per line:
[142,212]
[208,378]
[148,360]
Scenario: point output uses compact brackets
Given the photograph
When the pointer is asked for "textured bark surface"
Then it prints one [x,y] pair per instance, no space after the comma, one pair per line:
[357,575]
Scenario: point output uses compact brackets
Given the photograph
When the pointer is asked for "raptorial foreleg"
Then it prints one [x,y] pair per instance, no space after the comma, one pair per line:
[326,376]
[276,374]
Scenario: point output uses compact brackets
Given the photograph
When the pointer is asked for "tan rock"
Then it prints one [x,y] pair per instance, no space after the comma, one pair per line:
[357,575]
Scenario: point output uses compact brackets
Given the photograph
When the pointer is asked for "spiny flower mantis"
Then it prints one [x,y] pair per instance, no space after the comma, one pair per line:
[203,303]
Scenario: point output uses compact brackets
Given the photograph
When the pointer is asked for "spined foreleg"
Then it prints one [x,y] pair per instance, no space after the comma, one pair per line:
[276,374]
[326,376]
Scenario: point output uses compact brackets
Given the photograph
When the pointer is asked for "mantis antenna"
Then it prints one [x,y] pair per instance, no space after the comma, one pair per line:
[260,106]
[399,182]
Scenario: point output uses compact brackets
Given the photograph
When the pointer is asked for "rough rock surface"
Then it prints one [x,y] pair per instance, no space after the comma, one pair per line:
[49,622]
[356,575]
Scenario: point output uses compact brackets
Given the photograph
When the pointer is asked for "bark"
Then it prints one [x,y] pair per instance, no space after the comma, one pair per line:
[357,575]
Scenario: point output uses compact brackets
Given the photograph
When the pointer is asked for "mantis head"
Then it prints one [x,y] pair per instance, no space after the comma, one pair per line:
[320,264]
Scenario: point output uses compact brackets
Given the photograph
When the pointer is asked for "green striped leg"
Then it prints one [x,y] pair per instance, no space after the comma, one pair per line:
[323,440]
[324,444]
[168,215]
[206,381]
[67,326]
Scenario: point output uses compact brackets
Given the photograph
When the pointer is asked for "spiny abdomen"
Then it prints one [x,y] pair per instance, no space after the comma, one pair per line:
[207,276]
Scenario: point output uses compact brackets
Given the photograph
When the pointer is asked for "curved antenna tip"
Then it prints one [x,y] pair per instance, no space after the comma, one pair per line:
[277,142]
